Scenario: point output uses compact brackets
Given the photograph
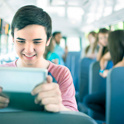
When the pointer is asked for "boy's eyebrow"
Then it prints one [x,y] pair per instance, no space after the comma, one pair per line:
[20,38]
[37,39]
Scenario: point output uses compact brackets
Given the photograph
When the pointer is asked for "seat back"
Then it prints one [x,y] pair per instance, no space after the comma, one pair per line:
[72,62]
[115,96]
[45,118]
[96,82]
[84,77]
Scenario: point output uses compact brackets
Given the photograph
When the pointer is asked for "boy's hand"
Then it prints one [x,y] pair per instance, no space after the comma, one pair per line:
[3,101]
[49,95]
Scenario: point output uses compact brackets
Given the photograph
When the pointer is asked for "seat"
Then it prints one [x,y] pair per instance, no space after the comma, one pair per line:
[115,96]
[97,84]
[72,62]
[84,77]
[45,118]
[83,82]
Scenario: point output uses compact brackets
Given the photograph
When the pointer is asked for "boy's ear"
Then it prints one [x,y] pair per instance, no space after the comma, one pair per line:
[48,42]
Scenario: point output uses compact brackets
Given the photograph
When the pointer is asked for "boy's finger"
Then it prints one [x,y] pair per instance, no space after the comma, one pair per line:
[4,100]
[3,105]
[49,79]
[43,88]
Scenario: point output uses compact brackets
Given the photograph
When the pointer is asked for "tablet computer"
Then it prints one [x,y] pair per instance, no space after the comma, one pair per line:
[17,84]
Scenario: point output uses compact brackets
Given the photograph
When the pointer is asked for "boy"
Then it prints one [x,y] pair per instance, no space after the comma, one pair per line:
[31,32]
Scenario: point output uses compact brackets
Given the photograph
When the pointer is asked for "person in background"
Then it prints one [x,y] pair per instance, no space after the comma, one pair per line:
[96,101]
[102,42]
[50,54]
[58,49]
[116,51]
[91,49]
[103,64]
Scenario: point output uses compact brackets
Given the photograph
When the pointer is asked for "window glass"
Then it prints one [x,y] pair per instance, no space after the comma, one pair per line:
[62,43]
[4,44]
[117,26]
[73,44]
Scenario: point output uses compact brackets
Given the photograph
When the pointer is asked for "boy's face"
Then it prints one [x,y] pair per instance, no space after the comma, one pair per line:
[103,39]
[30,44]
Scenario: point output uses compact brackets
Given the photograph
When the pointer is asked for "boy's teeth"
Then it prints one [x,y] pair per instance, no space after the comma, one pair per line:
[29,56]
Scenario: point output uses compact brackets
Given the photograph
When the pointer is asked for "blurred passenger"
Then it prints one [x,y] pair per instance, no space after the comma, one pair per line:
[103,63]
[91,49]
[50,54]
[116,48]
[104,60]
[102,42]
[58,49]
[96,101]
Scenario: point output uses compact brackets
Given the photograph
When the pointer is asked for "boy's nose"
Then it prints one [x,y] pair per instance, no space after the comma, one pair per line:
[29,48]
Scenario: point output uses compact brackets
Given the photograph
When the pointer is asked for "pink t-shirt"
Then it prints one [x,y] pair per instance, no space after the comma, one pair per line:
[62,76]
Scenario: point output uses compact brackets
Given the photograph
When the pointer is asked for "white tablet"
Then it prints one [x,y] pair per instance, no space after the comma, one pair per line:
[17,84]
[21,79]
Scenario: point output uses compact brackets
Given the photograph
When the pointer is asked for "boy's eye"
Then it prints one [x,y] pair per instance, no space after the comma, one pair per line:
[36,42]
[21,41]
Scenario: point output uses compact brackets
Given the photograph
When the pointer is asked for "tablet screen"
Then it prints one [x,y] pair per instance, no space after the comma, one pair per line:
[17,84]
[21,79]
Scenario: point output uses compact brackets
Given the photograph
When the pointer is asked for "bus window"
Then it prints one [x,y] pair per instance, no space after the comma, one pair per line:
[62,43]
[10,44]
[4,43]
[117,26]
[73,44]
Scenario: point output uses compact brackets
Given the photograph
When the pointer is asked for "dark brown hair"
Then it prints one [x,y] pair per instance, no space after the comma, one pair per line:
[29,15]
[116,45]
